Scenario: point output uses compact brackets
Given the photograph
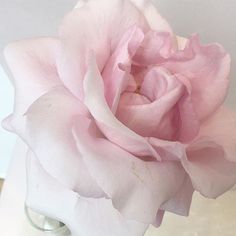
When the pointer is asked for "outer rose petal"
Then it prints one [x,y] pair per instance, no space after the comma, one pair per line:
[211,161]
[32,63]
[100,32]
[221,128]
[83,216]
[154,19]
[174,151]
[127,180]
[49,134]
[112,128]
[181,202]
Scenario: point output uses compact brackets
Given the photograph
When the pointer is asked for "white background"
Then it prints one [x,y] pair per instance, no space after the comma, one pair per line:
[214,20]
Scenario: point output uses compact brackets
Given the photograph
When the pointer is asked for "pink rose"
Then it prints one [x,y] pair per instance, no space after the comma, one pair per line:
[123,119]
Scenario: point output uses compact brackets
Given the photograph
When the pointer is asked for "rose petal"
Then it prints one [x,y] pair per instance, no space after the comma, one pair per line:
[154,19]
[210,160]
[159,218]
[156,46]
[168,150]
[112,128]
[181,202]
[174,151]
[48,133]
[145,119]
[83,216]
[157,82]
[97,26]
[130,99]
[137,188]
[187,120]
[115,79]
[207,68]
[221,128]
[32,63]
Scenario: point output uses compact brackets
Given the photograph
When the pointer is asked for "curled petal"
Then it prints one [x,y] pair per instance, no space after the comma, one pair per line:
[207,68]
[221,128]
[155,47]
[210,160]
[181,202]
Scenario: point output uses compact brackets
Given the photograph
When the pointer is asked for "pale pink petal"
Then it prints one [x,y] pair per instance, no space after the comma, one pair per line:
[112,128]
[154,19]
[48,133]
[116,79]
[187,120]
[207,68]
[129,99]
[210,160]
[156,83]
[137,188]
[97,26]
[211,174]
[83,216]
[145,119]
[221,128]
[181,202]
[168,150]
[155,47]
[159,218]
[170,115]
[174,151]
[32,63]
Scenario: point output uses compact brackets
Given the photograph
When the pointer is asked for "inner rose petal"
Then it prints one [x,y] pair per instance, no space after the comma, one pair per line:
[147,115]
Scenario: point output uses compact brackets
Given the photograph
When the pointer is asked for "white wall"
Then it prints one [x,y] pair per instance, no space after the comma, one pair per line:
[214,20]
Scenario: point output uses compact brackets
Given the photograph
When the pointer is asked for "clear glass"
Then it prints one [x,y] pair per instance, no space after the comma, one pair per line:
[45,224]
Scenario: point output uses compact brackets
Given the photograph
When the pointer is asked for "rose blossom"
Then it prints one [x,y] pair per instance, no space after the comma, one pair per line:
[123,119]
